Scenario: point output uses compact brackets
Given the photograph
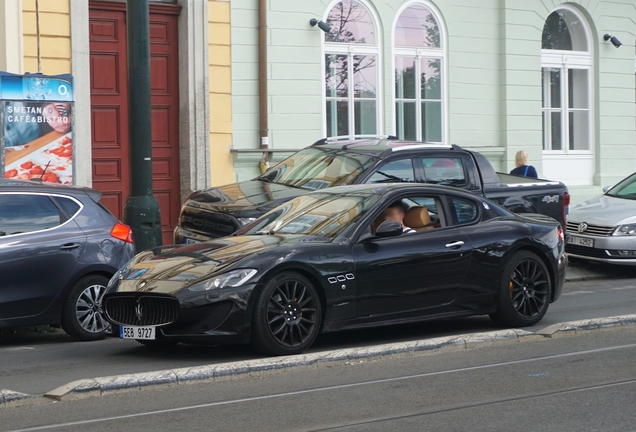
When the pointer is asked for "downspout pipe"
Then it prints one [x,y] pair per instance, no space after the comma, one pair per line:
[37,34]
[262,84]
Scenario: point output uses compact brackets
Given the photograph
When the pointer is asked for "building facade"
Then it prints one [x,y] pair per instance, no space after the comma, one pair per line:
[190,86]
[497,76]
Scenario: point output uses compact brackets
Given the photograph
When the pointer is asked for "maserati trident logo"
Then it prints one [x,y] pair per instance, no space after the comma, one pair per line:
[582,228]
[139,312]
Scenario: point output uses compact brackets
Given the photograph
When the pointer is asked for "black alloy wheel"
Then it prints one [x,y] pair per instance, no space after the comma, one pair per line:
[287,315]
[524,294]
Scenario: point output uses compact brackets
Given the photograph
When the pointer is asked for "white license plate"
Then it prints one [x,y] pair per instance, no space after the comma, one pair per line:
[135,332]
[581,241]
[189,241]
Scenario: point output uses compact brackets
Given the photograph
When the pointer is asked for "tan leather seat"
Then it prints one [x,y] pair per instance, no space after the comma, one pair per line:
[376,223]
[418,218]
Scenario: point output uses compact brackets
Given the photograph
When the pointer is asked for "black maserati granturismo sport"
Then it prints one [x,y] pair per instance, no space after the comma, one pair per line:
[329,261]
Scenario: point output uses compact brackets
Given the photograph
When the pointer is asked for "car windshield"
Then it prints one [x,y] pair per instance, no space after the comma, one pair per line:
[322,215]
[317,168]
[625,189]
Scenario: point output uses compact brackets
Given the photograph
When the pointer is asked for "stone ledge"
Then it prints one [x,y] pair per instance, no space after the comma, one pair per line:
[129,382]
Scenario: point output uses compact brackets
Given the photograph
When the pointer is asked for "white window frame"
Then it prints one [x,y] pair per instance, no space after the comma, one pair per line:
[352,50]
[565,60]
[419,53]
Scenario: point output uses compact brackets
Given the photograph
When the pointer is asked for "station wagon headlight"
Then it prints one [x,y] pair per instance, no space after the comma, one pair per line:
[626,230]
[230,279]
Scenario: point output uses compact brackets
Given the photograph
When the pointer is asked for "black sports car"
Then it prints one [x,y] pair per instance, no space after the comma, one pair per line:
[329,261]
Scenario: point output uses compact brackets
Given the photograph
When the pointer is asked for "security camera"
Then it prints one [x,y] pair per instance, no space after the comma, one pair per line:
[321,24]
[613,39]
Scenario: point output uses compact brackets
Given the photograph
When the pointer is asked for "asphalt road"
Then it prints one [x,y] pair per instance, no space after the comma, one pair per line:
[37,363]
[582,383]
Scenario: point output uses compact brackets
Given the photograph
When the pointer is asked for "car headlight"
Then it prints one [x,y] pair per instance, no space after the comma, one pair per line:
[116,277]
[626,230]
[246,221]
[230,279]
[119,274]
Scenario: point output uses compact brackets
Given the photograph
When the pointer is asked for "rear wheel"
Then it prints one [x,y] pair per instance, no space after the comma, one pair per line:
[524,294]
[82,314]
[287,315]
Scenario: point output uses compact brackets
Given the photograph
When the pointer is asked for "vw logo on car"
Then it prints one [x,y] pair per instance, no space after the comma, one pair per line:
[582,228]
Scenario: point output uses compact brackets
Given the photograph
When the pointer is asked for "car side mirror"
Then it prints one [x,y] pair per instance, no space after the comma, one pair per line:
[606,189]
[389,229]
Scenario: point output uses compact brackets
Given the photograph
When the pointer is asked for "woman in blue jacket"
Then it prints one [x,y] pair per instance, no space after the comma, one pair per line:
[522,167]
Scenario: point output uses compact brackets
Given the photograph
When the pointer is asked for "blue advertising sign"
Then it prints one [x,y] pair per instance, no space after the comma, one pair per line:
[36,87]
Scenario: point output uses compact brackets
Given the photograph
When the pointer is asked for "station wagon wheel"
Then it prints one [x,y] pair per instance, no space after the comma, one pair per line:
[82,315]
[524,294]
[287,315]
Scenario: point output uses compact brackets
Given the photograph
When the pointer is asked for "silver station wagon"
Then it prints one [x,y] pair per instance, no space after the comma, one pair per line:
[604,228]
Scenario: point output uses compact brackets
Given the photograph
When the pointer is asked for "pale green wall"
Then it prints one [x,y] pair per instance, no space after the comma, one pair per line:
[493,78]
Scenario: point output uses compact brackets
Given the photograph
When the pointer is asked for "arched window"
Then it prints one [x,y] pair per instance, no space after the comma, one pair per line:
[351,70]
[419,67]
[567,68]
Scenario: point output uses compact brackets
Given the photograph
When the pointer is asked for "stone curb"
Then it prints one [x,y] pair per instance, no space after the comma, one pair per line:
[581,326]
[13,398]
[587,277]
[579,273]
[118,383]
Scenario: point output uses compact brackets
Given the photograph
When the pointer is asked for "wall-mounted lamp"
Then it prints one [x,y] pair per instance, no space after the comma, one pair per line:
[321,24]
[613,39]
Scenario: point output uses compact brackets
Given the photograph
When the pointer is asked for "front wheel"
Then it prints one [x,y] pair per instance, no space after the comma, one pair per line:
[287,315]
[82,314]
[524,294]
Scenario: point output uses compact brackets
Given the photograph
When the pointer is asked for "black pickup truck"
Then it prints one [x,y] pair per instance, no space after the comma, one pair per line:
[220,211]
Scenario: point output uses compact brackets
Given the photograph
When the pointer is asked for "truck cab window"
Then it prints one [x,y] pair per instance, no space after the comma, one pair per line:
[394,172]
[448,171]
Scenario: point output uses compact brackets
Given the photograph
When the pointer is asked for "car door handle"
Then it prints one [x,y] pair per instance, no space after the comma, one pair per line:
[455,245]
[70,246]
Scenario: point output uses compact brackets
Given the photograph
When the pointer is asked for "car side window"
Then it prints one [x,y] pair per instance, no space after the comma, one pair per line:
[69,206]
[395,171]
[448,171]
[463,211]
[27,213]
[418,213]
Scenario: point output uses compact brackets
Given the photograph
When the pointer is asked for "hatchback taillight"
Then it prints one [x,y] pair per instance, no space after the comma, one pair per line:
[560,234]
[122,232]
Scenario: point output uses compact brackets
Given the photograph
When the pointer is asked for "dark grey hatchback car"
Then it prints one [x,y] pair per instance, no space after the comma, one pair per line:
[58,248]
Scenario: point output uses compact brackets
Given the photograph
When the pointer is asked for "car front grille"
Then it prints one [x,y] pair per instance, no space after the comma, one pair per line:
[144,310]
[212,225]
[591,230]
[586,251]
